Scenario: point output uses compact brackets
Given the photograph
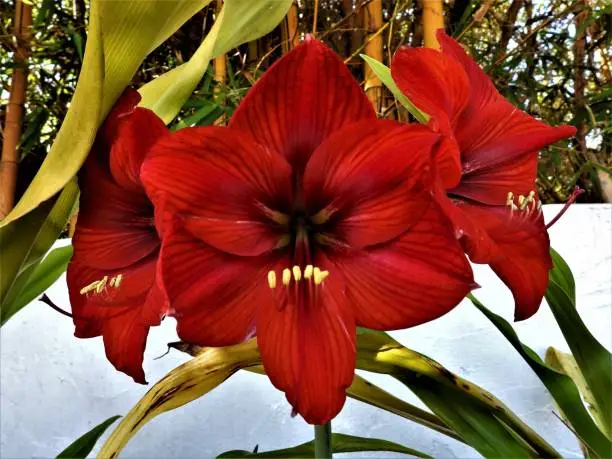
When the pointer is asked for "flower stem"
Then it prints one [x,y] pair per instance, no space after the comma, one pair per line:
[323,441]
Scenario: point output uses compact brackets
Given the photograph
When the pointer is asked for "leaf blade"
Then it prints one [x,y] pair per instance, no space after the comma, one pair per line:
[83,445]
[341,443]
[238,22]
[182,385]
[560,386]
[440,390]
[43,275]
[593,359]
[384,73]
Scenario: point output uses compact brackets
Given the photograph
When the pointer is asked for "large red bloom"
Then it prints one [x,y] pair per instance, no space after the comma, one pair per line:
[112,275]
[487,165]
[300,221]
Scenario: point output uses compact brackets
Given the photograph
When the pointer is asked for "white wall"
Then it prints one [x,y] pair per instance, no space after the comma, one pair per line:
[55,387]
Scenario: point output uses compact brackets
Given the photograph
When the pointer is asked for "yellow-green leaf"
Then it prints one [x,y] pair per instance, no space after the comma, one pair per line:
[365,392]
[482,420]
[25,242]
[34,281]
[182,385]
[238,22]
[120,35]
[384,73]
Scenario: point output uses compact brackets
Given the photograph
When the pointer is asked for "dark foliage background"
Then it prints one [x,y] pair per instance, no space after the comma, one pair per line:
[550,58]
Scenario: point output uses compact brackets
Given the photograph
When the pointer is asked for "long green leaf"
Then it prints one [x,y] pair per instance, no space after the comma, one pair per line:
[41,277]
[25,242]
[594,360]
[340,443]
[560,386]
[182,385]
[483,421]
[565,363]
[384,73]
[119,37]
[83,445]
[238,22]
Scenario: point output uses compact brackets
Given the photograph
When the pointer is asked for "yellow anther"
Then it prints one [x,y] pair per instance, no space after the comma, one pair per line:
[319,276]
[297,273]
[271,279]
[118,280]
[286,276]
[101,284]
[523,202]
[308,271]
[509,198]
[89,288]
[531,195]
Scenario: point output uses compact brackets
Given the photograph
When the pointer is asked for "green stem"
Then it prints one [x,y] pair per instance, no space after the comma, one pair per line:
[323,441]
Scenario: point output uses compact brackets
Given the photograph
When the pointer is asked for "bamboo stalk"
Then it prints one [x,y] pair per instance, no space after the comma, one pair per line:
[433,19]
[289,30]
[15,108]
[220,74]
[373,23]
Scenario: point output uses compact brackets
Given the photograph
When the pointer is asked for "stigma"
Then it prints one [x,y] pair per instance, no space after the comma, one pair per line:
[100,286]
[309,274]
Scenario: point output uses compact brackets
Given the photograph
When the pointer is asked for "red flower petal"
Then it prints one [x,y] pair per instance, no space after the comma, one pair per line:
[499,133]
[213,294]
[224,183]
[417,278]
[435,83]
[123,107]
[309,351]
[300,100]
[115,312]
[368,179]
[134,136]
[523,259]
[491,186]
[490,130]
[115,226]
[125,340]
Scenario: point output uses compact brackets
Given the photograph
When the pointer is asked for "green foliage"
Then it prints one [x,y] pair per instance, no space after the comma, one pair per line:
[594,360]
[23,245]
[340,443]
[36,279]
[83,445]
[560,386]
[481,420]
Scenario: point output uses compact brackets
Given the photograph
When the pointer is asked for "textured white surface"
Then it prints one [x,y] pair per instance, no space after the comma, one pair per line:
[55,387]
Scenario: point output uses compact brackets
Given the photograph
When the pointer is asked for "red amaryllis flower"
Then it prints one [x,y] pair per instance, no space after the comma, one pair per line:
[112,280]
[487,165]
[300,221]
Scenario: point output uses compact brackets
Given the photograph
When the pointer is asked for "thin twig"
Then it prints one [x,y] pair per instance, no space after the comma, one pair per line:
[527,37]
[370,38]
